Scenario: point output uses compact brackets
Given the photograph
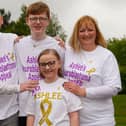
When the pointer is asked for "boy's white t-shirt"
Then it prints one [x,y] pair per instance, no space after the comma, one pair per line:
[50,104]
[27,53]
[8,75]
[98,72]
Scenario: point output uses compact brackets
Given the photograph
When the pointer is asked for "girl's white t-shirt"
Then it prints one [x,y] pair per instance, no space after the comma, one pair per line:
[51,104]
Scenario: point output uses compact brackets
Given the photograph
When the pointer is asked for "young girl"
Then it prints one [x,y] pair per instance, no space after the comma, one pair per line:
[50,104]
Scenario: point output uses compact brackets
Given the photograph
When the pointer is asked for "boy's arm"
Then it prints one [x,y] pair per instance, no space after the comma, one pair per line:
[74,118]
[30,120]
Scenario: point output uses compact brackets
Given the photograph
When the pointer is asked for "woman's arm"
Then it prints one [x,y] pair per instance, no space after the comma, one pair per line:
[9,89]
[103,91]
[74,118]
[16,88]
[30,120]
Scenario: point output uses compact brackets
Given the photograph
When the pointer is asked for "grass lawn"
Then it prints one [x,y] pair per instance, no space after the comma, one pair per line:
[120,109]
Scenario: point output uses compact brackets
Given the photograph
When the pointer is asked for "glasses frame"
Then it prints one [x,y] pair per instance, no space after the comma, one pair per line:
[50,64]
[35,19]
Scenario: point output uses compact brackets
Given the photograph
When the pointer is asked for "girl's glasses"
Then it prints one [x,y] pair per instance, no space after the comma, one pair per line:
[50,64]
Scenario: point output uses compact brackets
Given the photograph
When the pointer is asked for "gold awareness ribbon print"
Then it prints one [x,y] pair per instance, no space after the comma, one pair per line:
[46,112]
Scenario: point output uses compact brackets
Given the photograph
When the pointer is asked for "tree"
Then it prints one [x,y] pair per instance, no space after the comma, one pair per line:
[55,29]
[20,27]
[6,19]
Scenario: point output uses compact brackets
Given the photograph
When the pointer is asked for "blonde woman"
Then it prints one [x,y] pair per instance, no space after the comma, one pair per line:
[93,72]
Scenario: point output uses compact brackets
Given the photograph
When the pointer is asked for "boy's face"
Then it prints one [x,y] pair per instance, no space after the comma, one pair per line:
[1,20]
[37,23]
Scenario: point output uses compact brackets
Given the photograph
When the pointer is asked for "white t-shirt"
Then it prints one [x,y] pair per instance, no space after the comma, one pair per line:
[9,89]
[8,75]
[98,72]
[27,53]
[50,103]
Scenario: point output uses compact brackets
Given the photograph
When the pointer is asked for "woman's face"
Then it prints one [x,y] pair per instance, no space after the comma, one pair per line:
[87,34]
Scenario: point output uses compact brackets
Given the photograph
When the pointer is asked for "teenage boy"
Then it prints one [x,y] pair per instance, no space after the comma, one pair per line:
[28,49]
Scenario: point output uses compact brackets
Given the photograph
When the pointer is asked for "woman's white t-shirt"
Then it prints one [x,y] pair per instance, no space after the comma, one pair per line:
[98,72]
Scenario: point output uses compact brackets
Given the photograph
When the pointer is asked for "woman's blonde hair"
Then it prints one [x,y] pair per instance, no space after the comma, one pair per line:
[74,42]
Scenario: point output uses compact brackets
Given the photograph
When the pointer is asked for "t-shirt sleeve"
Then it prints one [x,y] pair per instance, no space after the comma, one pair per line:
[73,102]
[9,89]
[110,78]
[30,108]
[111,74]
[61,52]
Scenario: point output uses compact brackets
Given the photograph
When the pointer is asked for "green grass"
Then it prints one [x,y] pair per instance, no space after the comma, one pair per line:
[120,109]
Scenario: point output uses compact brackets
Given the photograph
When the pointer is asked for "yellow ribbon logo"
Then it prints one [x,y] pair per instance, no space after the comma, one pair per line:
[45,113]
[91,71]
[11,56]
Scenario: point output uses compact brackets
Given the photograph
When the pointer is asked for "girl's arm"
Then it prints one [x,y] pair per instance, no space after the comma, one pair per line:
[74,118]
[30,120]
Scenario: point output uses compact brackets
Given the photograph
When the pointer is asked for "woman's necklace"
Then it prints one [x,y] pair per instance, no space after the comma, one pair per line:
[36,44]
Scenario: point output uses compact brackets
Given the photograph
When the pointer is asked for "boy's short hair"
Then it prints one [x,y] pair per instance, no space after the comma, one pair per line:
[38,8]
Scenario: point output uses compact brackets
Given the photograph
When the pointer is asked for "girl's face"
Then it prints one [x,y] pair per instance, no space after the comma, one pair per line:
[37,23]
[49,66]
[87,34]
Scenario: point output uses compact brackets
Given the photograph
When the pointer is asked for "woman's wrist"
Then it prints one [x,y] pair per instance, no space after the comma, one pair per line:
[83,92]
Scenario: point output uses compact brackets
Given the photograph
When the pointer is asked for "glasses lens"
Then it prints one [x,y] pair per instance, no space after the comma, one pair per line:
[49,64]
[35,19]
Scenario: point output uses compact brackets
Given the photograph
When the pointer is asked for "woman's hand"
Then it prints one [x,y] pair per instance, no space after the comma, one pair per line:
[18,39]
[74,88]
[60,41]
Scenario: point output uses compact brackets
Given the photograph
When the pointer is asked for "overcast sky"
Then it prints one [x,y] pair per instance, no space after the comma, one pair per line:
[110,14]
